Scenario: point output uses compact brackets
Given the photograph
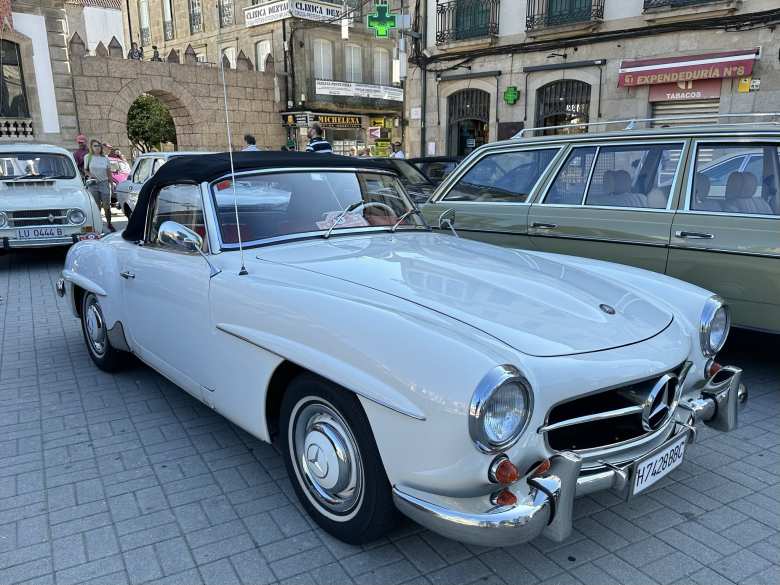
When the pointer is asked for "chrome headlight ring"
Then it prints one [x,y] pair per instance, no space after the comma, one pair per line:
[714,325]
[76,216]
[494,392]
[3,219]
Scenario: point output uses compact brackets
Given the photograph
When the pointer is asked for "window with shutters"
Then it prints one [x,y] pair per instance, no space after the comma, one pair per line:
[323,59]
[353,63]
[381,66]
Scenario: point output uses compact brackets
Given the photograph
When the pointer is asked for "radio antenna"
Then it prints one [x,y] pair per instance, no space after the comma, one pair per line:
[243,270]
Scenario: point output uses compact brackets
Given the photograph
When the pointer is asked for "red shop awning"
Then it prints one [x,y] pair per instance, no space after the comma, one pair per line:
[635,72]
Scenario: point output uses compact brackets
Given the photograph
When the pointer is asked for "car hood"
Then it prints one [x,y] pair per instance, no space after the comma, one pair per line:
[41,195]
[535,304]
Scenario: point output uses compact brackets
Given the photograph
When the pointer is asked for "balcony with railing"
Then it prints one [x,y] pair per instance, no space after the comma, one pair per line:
[650,4]
[684,10]
[16,128]
[461,20]
[548,14]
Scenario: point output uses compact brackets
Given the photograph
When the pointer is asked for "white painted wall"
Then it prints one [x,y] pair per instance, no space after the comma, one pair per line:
[33,26]
[101,24]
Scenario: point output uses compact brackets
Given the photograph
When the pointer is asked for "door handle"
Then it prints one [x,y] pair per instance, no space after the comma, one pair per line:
[544,226]
[127,275]
[694,235]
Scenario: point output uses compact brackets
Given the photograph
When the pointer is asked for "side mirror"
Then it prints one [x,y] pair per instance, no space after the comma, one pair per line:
[177,237]
[447,221]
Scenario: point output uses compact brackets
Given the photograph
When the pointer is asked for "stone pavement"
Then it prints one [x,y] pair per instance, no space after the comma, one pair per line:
[126,479]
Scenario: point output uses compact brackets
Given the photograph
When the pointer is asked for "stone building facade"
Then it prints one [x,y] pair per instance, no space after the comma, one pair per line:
[493,67]
[345,84]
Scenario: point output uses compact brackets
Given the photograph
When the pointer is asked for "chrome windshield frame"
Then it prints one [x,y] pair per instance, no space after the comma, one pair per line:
[227,247]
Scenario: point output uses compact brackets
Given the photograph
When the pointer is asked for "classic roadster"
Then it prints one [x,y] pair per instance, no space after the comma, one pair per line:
[477,389]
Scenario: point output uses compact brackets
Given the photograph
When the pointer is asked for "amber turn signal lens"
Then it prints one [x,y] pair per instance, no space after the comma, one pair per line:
[505,498]
[541,469]
[712,368]
[506,472]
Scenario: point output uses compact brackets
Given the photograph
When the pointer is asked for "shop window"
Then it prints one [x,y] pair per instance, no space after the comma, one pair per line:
[353,63]
[13,95]
[468,118]
[262,51]
[381,66]
[562,103]
[323,59]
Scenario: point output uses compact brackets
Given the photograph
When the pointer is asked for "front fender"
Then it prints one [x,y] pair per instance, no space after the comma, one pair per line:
[92,266]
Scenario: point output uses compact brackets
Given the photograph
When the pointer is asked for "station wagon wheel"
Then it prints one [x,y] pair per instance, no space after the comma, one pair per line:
[93,325]
[333,461]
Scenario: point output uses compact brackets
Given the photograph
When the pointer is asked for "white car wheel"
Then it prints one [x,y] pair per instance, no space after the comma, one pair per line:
[93,325]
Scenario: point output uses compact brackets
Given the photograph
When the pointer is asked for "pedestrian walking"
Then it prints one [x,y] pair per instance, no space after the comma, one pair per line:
[80,153]
[98,168]
[135,53]
[120,168]
[251,143]
[317,142]
[397,151]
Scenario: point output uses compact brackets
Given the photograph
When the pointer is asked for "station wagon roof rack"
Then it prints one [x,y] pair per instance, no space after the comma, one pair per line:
[634,123]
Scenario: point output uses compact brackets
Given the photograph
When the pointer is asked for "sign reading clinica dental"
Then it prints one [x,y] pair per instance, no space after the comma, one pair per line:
[281,9]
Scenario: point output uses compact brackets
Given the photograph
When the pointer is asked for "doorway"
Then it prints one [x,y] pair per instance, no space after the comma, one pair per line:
[561,103]
[468,121]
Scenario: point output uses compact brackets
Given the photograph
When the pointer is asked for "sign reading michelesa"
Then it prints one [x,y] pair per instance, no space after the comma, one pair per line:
[350,89]
[281,9]
[721,65]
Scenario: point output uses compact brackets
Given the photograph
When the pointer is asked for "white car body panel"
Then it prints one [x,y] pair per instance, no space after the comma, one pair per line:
[56,194]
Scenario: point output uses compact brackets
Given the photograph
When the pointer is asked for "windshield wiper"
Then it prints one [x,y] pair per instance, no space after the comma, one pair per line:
[414,211]
[342,215]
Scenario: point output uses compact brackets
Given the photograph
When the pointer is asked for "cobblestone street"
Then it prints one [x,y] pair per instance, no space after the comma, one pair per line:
[127,479]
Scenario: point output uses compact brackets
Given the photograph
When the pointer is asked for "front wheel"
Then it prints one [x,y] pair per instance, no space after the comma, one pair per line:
[333,461]
[93,325]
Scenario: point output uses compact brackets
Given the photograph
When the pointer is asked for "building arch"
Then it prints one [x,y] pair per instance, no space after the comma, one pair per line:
[480,95]
[582,85]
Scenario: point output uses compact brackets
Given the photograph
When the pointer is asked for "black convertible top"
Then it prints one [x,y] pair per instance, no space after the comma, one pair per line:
[199,168]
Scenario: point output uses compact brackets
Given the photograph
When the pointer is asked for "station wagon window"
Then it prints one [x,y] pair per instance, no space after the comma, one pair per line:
[628,176]
[179,203]
[737,178]
[570,184]
[505,177]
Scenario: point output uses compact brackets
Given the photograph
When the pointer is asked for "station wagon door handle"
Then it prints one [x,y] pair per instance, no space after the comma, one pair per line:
[544,226]
[127,275]
[694,235]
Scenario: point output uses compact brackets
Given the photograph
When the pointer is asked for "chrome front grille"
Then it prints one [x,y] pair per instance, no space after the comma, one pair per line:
[612,417]
[37,217]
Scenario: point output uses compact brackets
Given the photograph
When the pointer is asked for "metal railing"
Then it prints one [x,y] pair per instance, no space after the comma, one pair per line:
[635,123]
[458,20]
[550,13]
[649,4]
[16,128]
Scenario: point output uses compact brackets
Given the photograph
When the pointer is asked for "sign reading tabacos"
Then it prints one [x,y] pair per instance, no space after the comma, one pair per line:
[636,72]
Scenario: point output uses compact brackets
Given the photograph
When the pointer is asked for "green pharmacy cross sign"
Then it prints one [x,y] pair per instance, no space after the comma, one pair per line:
[511,95]
[382,21]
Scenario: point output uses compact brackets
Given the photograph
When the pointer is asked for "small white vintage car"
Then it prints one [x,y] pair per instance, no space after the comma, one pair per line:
[43,201]
[476,389]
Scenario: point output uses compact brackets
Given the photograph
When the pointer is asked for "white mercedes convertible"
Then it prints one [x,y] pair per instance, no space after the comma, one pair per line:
[476,389]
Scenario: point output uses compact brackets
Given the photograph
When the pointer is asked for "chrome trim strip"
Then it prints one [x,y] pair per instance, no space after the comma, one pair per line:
[359,393]
[628,410]
[603,240]
[721,251]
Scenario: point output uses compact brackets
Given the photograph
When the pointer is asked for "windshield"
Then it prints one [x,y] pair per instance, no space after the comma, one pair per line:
[32,165]
[409,173]
[282,204]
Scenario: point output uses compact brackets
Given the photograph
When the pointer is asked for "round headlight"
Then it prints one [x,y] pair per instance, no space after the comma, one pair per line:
[500,409]
[3,219]
[76,216]
[714,326]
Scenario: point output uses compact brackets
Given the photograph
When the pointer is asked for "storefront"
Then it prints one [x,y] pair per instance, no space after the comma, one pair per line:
[688,86]
[349,134]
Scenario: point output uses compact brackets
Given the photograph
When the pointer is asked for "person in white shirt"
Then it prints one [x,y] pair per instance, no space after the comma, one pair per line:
[98,167]
[251,143]
[397,152]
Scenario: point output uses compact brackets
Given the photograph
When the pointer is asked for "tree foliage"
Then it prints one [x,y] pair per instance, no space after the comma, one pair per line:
[149,123]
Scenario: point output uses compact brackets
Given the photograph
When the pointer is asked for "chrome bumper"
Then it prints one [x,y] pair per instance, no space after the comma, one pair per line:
[9,243]
[545,503]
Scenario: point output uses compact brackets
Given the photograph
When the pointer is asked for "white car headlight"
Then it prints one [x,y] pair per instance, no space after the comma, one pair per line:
[500,409]
[76,216]
[3,219]
[714,326]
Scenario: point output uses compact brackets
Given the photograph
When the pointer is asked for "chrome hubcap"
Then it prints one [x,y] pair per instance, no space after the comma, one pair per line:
[96,330]
[327,458]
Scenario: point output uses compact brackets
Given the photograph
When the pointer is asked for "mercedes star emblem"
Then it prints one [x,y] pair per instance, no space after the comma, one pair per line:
[655,409]
[320,468]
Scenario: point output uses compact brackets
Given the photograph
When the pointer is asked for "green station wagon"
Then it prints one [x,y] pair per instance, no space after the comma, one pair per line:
[700,203]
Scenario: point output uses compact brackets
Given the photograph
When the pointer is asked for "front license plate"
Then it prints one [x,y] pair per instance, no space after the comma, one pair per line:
[652,468]
[39,233]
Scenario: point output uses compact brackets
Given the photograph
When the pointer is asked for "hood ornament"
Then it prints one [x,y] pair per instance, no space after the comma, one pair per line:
[609,310]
